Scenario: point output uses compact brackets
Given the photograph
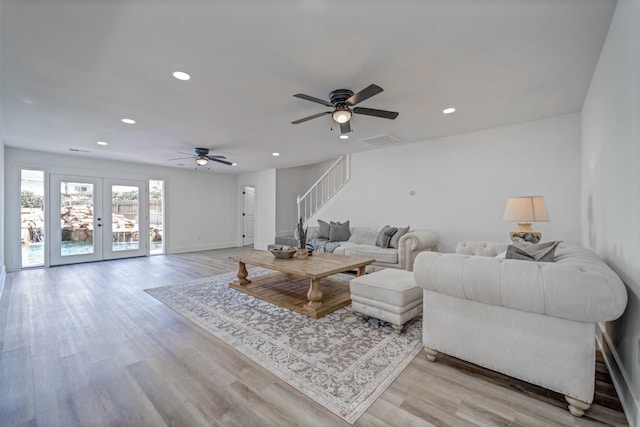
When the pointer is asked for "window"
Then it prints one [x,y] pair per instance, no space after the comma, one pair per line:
[32,216]
[156,217]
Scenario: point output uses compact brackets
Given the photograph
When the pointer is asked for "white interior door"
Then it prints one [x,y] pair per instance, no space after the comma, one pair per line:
[248,216]
[94,219]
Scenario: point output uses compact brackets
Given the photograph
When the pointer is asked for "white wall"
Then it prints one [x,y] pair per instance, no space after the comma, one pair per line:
[291,183]
[2,205]
[462,182]
[200,207]
[2,202]
[610,205]
[265,185]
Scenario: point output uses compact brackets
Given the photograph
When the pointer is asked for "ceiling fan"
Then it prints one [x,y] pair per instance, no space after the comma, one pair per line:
[202,157]
[342,101]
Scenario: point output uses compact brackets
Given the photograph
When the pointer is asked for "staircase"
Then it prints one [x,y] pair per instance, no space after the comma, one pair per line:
[325,188]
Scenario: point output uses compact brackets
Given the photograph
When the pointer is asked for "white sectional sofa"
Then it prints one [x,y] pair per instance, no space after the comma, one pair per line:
[362,243]
[530,320]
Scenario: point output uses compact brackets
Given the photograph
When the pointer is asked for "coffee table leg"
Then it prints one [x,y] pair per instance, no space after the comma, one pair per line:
[242,274]
[314,294]
[361,270]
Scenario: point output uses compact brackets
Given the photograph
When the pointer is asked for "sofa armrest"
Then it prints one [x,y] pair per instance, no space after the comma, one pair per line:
[580,288]
[414,242]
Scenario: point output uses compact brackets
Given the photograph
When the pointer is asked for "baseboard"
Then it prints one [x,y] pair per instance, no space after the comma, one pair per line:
[198,248]
[630,403]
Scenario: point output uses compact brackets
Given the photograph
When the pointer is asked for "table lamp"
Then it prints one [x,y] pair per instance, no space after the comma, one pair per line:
[524,211]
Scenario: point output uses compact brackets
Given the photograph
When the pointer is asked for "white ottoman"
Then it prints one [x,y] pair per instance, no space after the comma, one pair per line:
[391,295]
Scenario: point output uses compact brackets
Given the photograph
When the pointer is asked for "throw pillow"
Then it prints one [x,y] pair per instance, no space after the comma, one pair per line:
[502,255]
[323,229]
[385,235]
[395,240]
[543,252]
[339,232]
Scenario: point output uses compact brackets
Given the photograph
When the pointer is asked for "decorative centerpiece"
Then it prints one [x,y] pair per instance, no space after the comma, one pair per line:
[284,252]
[303,252]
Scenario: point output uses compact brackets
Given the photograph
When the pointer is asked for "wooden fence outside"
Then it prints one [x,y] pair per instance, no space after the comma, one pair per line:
[129,210]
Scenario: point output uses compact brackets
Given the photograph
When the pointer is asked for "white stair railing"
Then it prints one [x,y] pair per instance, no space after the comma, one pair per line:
[324,188]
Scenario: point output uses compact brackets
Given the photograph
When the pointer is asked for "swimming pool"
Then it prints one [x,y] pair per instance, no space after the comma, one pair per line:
[33,254]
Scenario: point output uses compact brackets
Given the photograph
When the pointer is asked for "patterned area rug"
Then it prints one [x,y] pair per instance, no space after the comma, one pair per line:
[339,360]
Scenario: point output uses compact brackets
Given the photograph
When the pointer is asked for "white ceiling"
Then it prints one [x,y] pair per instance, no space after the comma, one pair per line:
[70,70]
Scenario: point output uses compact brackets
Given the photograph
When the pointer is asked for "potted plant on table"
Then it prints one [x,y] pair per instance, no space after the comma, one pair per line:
[302,252]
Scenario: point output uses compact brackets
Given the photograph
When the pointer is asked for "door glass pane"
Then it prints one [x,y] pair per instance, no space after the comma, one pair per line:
[32,217]
[156,226]
[125,208]
[76,218]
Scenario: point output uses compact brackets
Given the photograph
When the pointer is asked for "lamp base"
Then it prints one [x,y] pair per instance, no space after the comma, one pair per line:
[526,233]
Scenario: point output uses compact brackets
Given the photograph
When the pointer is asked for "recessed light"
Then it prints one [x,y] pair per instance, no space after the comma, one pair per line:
[448,110]
[181,75]
[234,164]
[275,154]
[128,121]
[102,143]
[344,136]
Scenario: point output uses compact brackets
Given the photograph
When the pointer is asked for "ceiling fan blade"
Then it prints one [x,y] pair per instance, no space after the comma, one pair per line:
[365,93]
[186,154]
[313,99]
[345,128]
[216,156]
[311,117]
[376,113]
[181,158]
[220,161]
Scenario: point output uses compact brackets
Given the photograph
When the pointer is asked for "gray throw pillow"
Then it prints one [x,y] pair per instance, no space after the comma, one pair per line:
[543,252]
[323,230]
[339,232]
[395,240]
[385,235]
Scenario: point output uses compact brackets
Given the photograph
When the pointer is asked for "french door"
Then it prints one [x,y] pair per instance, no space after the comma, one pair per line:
[94,219]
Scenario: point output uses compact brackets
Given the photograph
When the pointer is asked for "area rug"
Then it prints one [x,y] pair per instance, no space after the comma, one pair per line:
[340,361]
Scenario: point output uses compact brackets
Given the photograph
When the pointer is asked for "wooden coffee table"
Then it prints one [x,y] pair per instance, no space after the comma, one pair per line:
[296,284]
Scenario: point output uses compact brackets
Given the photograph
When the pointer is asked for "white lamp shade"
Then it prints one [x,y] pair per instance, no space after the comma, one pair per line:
[526,209]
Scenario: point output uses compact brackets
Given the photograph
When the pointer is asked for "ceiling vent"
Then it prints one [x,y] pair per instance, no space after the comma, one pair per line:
[383,140]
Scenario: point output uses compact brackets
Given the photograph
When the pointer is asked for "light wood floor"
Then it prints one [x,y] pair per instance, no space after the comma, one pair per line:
[84,345]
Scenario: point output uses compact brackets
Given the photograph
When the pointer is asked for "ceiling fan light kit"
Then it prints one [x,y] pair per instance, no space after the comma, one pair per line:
[202,161]
[203,157]
[341,114]
[342,100]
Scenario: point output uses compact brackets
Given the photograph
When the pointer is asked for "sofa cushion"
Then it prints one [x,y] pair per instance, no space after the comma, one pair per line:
[364,236]
[395,240]
[385,235]
[386,255]
[339,231]
[323,229]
